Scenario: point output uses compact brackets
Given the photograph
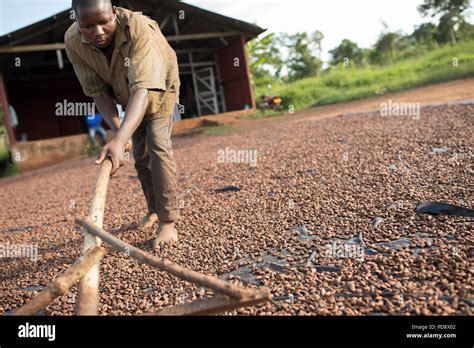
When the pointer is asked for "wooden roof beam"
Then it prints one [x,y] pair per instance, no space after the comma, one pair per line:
[201,36]
[60,46]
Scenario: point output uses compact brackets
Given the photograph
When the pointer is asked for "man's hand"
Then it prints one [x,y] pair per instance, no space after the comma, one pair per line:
[116,151]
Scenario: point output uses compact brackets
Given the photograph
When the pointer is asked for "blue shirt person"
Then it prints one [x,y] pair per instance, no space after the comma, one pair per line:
[94,125]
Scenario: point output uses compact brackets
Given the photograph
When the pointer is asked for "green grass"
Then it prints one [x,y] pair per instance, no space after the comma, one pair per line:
[343,84]
[218,130]
[6,167]
[263,113]
[3,145]
[92,150]
[4,154]
[9,170]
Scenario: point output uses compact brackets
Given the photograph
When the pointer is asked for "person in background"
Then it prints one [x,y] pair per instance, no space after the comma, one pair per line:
[94,126]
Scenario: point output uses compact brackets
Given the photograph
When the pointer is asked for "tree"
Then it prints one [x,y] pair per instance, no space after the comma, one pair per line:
[265,59]
[388,46]
[425,34]
[436,7]
[347,49]
[303,54]
[451,13]
[465,31]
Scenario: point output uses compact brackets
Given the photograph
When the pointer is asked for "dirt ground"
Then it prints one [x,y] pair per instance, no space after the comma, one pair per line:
[315,185]
[431,94]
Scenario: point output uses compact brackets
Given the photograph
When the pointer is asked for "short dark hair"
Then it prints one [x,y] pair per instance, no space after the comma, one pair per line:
[77,4]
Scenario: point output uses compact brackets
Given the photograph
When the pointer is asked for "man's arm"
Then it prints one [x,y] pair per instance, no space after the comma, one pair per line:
[108,111]
[136,108]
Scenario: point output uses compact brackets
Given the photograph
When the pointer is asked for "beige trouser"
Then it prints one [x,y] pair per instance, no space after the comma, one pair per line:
[156,167]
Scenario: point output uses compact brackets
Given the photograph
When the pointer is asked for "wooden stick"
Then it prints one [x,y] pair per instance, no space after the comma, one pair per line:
[88,294]
[210,306]
[211,282]
[32,48]
[62,283]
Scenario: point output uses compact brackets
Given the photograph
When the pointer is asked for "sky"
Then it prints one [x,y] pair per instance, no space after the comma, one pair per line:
[358,20]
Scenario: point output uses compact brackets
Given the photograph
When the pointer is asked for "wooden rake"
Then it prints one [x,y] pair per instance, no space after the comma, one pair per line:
[86,270]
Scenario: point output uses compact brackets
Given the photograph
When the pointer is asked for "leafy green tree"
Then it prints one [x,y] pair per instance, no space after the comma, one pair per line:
[441,7]
[265,59]
[388,46]
[425,34]
[304,51]
[451,16]
[347,49]
[465,31]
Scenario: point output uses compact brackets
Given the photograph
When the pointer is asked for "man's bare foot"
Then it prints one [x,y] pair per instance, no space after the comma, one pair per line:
[148,221]
[167,234]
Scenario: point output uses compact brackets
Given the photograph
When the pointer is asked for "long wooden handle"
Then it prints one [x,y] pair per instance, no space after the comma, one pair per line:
[205,280]
[210,306]
[88,289]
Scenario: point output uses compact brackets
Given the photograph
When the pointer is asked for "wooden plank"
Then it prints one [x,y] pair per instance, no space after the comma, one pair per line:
[32,48]
[61,46]
[200,36]
[165,21]
[210,306]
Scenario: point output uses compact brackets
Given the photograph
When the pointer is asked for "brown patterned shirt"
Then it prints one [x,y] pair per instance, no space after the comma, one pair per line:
[142,58]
